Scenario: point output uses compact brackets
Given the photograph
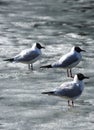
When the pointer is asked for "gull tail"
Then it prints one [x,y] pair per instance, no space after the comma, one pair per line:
[46,66]
[49,93]
[10,60]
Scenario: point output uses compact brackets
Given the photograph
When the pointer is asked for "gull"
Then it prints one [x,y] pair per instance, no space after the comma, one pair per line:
[70,90]
[68,61]
[28,56]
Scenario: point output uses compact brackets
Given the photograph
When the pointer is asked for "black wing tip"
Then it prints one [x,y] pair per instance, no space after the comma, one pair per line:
[46,66]
[49,93]
[10,60]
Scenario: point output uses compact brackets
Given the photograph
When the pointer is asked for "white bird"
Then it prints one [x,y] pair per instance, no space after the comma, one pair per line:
[67,61]
[70,90]
[28,56]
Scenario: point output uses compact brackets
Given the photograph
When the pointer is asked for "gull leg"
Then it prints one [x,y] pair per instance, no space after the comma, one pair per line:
[31,66]
[71,73]
[67,73]
[69,103]
[72,103]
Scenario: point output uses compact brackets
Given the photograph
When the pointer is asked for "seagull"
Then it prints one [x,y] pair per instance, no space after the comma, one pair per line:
[68,61]
[70,90]
[28,56]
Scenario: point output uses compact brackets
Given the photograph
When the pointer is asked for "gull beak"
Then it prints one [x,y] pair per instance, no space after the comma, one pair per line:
[85,77]
[42,47]
[83,50]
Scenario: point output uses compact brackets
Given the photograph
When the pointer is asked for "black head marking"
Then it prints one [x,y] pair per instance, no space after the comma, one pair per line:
[81,76]
[78,49]
[39,46]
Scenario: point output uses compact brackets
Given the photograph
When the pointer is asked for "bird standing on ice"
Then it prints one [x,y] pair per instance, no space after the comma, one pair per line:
[67,61]
[28,56]
[70,90]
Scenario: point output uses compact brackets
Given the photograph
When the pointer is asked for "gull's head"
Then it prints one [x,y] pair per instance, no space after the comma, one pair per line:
[80,77]
[38,45]
[77,49]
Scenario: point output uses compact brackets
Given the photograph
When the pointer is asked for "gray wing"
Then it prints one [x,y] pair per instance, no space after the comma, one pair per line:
[65,62]
[69,92]
[28,56]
